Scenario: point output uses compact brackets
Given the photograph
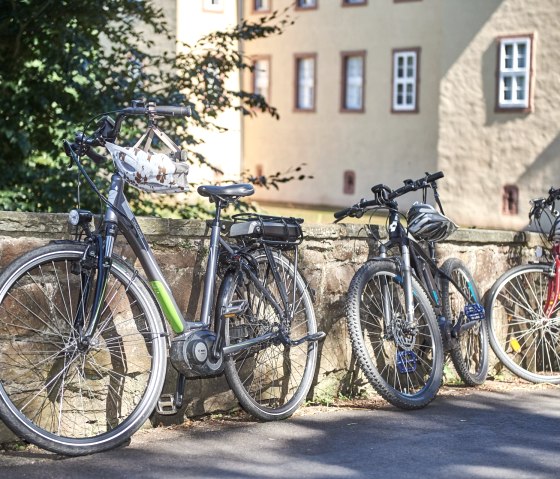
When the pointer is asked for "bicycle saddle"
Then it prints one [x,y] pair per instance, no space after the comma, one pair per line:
[240,189]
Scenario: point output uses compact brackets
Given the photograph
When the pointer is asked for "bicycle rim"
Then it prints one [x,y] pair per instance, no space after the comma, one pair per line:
[271,380]
[57,394]
[524,338]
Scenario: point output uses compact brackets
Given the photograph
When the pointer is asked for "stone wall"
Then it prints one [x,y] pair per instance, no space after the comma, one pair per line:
[329,257]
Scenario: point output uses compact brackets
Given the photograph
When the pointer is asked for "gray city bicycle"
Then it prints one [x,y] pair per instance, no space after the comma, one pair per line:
[83,341]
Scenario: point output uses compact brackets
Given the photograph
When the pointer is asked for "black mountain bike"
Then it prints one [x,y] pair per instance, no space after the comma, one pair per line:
[403,311]
[83,344]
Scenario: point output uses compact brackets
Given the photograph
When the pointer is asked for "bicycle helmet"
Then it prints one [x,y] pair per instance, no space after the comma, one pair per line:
[427,224]
[149,171]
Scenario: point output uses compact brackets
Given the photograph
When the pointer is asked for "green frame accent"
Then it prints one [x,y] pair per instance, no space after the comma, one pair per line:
[167,306]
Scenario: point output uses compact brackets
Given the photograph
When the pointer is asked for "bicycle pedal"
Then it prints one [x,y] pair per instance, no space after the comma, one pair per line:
[474,312]
[235,308]
[166,405]
[406,362]
[316,336]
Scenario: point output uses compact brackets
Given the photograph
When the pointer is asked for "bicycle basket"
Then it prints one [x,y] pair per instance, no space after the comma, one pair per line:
[275,230]
[149,171]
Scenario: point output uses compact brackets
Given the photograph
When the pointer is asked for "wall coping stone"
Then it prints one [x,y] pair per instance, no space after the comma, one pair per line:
[18,224]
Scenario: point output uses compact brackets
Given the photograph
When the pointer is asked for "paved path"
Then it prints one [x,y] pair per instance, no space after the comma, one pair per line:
[486,434]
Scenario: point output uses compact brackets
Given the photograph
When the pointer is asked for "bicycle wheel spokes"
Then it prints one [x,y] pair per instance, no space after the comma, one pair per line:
[401,359]
[524,337]
[273,378]
[403,354]
[61,386]
[460,302]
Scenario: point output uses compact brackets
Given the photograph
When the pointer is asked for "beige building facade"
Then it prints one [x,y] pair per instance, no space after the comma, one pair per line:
[376,91]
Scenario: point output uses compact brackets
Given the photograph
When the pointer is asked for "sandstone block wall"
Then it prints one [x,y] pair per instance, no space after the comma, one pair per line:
[329,258]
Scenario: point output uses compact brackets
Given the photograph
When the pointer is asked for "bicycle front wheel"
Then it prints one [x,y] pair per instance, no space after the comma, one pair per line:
[403,362]
[55,391]
[271,379]
[470,352]
[525,339]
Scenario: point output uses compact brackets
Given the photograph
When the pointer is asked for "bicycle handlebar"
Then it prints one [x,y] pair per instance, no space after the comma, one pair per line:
[152,109]
[108,130]
[384,196]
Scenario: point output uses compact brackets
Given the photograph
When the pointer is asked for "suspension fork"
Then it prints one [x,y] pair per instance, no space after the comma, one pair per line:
[407,281]
[553,292]
[397,234]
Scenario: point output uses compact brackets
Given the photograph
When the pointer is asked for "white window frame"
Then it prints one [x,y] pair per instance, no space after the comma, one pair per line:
[403,82]
[353,87]
[514,73]
[261,77]
[305,82]
[213,5]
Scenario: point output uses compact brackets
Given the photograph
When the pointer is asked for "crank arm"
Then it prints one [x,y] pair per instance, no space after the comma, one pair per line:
[310,337]
[235,348]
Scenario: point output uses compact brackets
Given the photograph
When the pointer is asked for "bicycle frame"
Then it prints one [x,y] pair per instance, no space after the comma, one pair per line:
[137,241]
[415,259]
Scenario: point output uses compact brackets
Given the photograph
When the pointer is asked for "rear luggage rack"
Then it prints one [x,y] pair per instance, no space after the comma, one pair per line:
[279,231]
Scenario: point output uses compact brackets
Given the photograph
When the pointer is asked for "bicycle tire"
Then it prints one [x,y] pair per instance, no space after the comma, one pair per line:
[271,380]
[64,398]
[523,338]
[470,351]
[405,367]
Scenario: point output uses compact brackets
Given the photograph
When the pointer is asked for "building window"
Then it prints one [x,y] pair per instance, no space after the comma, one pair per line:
[349,179]
[261,77]
[510,200]
[306,4]
[349,3]
[514,78]
[405,80]
[261,6]
[305,82]
[213,5]
[353,79]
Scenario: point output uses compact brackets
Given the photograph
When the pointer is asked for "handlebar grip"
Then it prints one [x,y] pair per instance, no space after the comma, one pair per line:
[342,213]
[183,111]
[434,176]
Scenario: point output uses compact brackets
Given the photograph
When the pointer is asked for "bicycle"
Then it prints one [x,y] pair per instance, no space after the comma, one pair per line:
[83,340]
[523,306]
[403,311]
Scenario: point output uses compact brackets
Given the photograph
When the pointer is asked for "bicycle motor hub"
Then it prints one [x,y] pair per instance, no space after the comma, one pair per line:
[191,354]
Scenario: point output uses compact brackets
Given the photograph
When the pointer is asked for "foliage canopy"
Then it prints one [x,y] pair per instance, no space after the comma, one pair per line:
[64,61]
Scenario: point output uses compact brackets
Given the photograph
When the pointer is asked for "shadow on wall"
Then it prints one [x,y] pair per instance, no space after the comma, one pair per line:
[543,173]
[458,36]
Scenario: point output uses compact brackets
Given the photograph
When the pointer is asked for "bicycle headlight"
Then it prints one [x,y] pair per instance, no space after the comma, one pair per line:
[78,217]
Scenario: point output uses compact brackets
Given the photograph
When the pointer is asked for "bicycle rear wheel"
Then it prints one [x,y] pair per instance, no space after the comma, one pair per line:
[523,336]
[61,395]
[470,352]
[272,379]
[404,363]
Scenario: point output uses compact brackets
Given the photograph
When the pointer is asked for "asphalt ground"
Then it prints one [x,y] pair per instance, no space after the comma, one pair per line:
[494,432]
